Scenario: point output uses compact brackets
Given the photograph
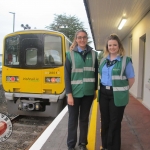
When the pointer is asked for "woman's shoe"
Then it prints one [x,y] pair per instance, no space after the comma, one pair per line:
[82,146]
[71,148]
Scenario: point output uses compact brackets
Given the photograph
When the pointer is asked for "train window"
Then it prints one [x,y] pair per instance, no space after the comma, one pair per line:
[31,56]
[11,52]
[68,44]
[52,50]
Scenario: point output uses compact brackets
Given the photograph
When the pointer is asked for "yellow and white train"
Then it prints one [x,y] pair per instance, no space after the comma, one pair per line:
[33,72]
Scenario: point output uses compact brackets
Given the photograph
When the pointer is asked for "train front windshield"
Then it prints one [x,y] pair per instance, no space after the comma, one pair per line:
[33,51]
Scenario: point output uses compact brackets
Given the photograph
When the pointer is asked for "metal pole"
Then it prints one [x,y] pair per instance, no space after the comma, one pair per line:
[13,20]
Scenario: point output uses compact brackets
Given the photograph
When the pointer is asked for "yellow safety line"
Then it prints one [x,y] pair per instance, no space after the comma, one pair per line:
[92,127]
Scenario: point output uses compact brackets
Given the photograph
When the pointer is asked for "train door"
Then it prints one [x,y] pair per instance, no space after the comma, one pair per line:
[31,56]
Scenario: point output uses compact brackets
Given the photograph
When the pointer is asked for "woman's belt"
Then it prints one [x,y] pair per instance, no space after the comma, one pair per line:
[107,87]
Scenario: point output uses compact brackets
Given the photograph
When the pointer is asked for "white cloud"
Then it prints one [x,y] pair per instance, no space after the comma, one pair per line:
[37,13]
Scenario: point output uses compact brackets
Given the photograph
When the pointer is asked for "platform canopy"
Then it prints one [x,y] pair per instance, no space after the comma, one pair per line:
[105,15]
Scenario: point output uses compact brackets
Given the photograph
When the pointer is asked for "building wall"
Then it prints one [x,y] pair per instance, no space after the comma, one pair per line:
[138,34]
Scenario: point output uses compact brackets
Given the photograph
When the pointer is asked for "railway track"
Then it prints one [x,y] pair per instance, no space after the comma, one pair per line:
[26,130]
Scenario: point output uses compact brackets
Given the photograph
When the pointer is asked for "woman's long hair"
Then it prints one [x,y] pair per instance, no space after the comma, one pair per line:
[121,51]
[74,43]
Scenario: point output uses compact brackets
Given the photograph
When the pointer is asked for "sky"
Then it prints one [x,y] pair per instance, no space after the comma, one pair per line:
[38,14]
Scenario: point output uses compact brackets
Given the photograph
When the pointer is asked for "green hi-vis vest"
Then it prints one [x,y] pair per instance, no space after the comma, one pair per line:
[119,81]
[83,73]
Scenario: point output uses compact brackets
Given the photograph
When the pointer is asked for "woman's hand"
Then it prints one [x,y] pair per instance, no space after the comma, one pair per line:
[70,99]
[131,81]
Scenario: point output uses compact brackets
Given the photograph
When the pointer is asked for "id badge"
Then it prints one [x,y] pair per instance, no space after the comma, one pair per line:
[108,87]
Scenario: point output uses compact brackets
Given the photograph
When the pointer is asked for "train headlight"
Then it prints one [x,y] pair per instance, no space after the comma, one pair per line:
[58,80]
[17,78]
[7,78]
[52,79]
[47,80]
[12,78]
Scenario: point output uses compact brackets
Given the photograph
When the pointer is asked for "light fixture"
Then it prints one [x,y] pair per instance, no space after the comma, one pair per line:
[25,26]
[122,23]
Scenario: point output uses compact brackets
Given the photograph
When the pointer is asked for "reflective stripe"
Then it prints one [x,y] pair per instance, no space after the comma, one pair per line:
[119,77]
[123,65]
[102,60]
[125,88]
[77,70]
[72,58]
[85,69]
[93,57]
[89,80]
[84,80]
[89,69]
[77,82]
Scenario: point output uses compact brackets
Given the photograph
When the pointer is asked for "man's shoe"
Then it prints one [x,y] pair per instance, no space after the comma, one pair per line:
[82,147]
[71,148]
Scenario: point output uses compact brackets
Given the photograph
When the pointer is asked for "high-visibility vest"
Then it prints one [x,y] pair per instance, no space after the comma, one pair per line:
[82,73]
[119,81]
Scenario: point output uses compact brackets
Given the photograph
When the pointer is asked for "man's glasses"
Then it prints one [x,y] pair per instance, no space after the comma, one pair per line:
[80,37]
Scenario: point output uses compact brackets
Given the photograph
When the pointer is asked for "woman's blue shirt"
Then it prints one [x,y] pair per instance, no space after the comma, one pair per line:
[106,78]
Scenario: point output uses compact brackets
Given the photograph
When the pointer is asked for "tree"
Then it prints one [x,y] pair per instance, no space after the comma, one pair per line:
[66,24]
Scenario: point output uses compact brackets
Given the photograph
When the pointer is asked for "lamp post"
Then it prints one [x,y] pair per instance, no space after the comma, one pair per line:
[13,20]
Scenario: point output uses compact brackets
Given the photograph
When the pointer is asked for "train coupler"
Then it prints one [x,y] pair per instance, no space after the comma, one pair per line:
[26,105]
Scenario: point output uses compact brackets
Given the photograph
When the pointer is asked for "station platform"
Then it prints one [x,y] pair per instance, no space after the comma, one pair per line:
[135,129]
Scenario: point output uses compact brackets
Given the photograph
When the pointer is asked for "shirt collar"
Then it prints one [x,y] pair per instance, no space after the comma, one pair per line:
[79,49]
[117,58]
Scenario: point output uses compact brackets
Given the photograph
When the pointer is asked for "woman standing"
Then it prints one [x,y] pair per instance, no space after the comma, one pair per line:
[81,76]
[117,77]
